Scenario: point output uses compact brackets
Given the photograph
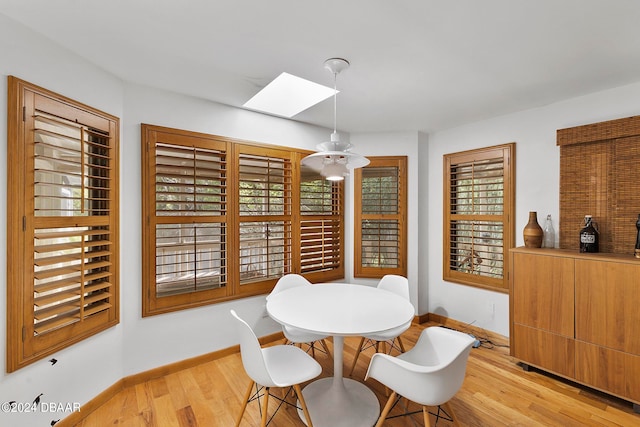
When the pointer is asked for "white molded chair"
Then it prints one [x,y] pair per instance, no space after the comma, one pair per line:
[400,286]
[430,374]
[294,335]
[275,366]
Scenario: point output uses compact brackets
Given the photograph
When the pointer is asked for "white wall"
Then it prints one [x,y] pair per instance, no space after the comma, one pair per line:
[93,365]
[537,186]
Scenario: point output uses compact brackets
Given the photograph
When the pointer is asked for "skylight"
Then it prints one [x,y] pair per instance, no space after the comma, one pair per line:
[288,95]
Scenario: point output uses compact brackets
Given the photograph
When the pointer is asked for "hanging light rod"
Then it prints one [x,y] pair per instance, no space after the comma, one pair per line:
[333,159]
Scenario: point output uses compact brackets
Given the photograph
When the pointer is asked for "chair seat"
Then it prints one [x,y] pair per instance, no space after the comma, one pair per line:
[289,365]
[296,335]
[389,334]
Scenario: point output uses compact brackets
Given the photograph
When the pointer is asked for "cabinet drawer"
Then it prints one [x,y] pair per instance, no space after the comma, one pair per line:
[543,349]
[609,370]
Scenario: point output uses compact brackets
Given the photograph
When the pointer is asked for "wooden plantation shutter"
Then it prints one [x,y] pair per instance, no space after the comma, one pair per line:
[478,209]
[380,218]
[185,231]
[62,225]
[264,216]
[222,219]
[321,231]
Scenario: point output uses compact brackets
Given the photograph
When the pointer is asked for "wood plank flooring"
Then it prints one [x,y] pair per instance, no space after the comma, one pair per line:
[496,392]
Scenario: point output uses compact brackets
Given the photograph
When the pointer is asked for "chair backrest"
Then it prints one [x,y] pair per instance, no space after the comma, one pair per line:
[289,281]
[396,284]
[251,352]
[431,372]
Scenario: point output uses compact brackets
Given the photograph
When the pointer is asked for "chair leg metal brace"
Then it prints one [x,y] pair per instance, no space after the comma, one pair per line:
[394,398]
[265,403]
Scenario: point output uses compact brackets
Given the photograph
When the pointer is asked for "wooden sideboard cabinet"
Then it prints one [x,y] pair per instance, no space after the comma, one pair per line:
[578,316]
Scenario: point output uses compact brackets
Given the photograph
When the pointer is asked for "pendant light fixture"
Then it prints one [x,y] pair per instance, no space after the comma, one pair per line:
[333,158]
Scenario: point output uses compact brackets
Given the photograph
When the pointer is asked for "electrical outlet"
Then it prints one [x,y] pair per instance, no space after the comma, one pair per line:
[491,309]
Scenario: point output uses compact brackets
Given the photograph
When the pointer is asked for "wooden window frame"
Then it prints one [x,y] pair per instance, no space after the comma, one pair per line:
[288,215]
[63,268]
[507,153]
[400,216]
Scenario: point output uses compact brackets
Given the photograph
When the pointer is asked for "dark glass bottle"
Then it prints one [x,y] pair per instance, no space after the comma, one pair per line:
[588,236]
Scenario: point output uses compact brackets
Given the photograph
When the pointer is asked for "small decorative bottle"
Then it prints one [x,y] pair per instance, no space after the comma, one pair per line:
[549,234]
[532,232]
[588,236]
[637,251]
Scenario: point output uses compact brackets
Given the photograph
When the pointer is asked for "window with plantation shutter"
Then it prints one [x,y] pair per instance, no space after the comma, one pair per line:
[62,222]
[321,243]
[264,190]
[381,217]
[222,219]
[185,230]
[479,206]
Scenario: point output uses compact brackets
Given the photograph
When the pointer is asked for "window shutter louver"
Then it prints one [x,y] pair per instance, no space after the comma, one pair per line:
[68,201]
[478,198]
[265,215]
[187,225]
[381,218]
[320,223]
[477,188]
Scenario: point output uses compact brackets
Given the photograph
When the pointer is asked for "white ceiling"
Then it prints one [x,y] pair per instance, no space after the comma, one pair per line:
[415,64]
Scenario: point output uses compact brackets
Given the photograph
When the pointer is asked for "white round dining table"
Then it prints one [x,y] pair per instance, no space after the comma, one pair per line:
[340,310]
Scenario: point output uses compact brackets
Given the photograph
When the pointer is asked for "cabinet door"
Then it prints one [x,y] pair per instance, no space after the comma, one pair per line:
[608,304]
[612,371]
[543,293]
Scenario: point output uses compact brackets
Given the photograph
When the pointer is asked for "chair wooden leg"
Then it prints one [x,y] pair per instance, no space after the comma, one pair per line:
[355,358]
[304,405]
[387,408]
[244,403]
[401,344]
[425,413]
[265,407]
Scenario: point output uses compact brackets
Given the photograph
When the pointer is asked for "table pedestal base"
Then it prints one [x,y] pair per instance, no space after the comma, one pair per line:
[331,404]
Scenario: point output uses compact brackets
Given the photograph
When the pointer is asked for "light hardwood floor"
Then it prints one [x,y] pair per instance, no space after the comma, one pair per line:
[496,392]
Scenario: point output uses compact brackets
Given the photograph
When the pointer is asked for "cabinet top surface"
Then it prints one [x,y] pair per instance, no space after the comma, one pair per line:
[568,253]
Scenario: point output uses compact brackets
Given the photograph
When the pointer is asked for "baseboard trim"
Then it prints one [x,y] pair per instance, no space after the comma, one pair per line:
[480,333]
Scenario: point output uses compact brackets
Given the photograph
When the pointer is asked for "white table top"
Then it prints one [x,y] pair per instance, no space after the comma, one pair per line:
[340,309]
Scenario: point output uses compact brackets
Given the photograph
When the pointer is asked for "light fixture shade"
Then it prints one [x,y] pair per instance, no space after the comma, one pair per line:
[333,159]
[320,159]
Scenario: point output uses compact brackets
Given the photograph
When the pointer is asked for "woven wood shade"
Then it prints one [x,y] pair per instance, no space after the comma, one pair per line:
[600,176]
